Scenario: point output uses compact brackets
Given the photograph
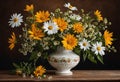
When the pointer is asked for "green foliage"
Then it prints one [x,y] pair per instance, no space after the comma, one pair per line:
[91,57]
[85,56]
[100,58]
[33,56]
[24,67]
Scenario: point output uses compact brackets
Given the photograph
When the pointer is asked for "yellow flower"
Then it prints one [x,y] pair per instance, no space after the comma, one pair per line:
[98,14]
[12,41]
[61,23]
[108,38]
[36,33]
[69,42]
[42,16]
[18,71]
[29,7]
[39,71]
[77,27]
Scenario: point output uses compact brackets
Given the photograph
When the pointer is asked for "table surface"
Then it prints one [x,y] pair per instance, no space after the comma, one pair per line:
[78,75]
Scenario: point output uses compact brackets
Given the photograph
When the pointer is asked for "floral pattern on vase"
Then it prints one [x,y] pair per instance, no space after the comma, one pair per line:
[63,60]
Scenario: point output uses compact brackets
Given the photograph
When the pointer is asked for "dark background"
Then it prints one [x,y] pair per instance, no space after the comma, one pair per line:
[108,8]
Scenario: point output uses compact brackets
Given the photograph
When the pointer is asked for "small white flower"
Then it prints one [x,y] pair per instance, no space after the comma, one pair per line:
[56,43]
[98,48]
[31,76]
[68,5]
[16,20]
[50,77]
[39,54]
[46,48]
[23,75]
[75,17]
[39,77]
[50,27]
[84,44]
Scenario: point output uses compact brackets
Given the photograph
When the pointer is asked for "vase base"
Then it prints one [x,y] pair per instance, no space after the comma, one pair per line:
[64,73]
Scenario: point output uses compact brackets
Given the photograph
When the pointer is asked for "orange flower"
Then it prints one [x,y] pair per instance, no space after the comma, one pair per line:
[108,38]
[61,23]
[77,27]
[36,33]
[12,41]
[69,42]
[29,7]
[98,15]
[42,16]
[39,71]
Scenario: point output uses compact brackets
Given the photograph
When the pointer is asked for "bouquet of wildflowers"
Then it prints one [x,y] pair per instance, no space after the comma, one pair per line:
[43,32]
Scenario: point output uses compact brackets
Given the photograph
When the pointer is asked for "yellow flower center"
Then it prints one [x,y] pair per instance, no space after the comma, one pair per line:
[15,20]
[84,44]
[70,6]
[50,27]
[98,48]
[69,41]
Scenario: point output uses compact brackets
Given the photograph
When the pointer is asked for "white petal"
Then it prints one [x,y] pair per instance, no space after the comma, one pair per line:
[17,23]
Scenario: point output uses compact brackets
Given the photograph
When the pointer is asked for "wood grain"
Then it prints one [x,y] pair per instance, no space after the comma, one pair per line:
[78,75]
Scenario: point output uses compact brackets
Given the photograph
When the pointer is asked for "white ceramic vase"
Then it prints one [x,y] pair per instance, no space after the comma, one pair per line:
[63,60]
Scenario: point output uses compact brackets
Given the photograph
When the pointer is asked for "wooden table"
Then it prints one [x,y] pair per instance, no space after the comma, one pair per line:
[78,76]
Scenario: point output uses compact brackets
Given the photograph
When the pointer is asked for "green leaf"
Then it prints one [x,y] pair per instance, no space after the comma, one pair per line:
[16,66]
[85,56]
[45,56]
[33,56]
[77,51]
[100,58]
[29,69]
[92,58]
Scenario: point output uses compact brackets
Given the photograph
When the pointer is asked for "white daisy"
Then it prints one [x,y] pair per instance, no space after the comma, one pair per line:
[84,44]
[68,5]
[75,17]
[50,27]
[16,20]
[98,48]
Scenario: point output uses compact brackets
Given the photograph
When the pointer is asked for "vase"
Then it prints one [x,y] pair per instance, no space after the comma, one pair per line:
[63,60]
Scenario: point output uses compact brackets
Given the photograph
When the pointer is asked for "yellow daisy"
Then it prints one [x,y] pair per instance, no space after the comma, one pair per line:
[108,38]
[77,27]
[69,42]
[98,15]
[35,33]
[42,16]
[12,41]
[29,7]
[61,23]
[39,71]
